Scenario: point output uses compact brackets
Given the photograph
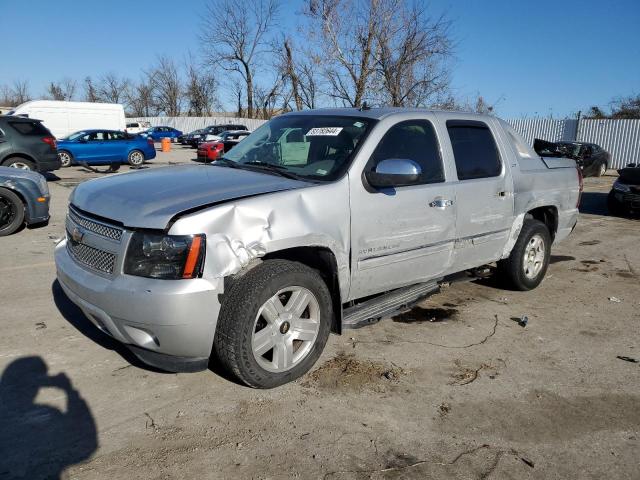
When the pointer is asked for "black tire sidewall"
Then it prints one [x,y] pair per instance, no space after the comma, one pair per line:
[70,158]
[515,265]
[17,222]
[129,158]
[247,298]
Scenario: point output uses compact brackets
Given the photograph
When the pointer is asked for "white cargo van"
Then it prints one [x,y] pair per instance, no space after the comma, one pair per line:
[64,118]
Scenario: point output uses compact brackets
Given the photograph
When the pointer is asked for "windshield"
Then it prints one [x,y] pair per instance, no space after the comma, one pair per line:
[315,147]
[75,136]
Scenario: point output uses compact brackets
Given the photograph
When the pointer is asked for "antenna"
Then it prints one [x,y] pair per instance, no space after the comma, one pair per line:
[365,106]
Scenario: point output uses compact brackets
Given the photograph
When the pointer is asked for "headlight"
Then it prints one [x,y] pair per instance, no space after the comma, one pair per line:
[168,257]
[621,187]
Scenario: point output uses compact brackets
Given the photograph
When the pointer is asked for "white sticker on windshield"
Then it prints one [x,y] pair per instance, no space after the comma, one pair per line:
[324,131]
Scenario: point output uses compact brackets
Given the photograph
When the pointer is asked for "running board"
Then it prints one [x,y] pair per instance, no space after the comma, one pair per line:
[373,310]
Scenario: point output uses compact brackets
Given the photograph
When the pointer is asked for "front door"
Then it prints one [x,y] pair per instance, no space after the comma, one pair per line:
[483,194]
[402,235]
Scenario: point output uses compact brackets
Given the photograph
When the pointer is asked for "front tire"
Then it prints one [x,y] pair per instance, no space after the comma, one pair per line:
[11,212]
[65,158]
[527,264]
[274,323]
[135,158]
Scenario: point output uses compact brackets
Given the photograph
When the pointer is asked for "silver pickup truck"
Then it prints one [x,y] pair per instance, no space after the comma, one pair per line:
[319,221]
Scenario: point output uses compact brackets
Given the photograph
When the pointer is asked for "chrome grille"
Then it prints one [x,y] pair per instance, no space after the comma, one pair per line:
[91,257]
[104,230]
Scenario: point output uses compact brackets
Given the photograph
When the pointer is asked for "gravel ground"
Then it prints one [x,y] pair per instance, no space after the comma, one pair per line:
[455,388]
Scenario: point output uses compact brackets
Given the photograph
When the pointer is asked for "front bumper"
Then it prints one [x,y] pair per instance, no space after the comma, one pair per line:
[630,200]
[169,324]
[38,212]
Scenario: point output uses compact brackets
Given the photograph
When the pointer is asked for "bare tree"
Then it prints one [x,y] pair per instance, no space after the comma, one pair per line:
[200,88]
[345,32]
[166,86]
[238,46]
[19,92]
[90,91]
[63,90]
[412,54]
[112,88]
[290,71]
[139,99]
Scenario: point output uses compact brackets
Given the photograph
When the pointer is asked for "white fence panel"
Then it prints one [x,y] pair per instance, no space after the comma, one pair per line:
[189,124]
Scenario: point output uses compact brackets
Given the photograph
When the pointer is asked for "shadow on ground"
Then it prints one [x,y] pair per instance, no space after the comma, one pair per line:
[39,441]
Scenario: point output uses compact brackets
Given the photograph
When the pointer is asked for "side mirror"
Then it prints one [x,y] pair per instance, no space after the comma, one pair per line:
[394,172]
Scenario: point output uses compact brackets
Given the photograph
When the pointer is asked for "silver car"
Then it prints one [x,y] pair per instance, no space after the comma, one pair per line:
[318,221]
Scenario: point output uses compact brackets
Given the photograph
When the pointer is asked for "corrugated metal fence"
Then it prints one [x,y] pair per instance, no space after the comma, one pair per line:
[189,124]
[619,137]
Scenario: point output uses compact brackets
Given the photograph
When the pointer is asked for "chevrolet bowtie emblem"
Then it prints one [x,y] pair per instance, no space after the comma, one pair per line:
[77,235]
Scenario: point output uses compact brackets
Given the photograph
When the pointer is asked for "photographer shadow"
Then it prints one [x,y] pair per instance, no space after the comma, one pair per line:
[38,440]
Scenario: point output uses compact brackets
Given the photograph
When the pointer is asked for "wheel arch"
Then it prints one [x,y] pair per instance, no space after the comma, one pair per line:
[547,214]
[321,259]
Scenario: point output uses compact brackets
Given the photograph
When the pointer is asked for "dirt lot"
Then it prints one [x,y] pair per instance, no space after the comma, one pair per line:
[455,388]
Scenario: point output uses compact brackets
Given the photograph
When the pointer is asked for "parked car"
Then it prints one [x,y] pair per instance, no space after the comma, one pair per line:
[24,198]
[320,220]
[210,151]
[196,137]
[27,144]
[624,197]
[591,158]
[158,133]
[100,147]
[135,128]
[185,137]
[62,118]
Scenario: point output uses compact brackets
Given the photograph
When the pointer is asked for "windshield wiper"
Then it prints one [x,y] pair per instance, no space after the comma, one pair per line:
[277,169]
[225,162]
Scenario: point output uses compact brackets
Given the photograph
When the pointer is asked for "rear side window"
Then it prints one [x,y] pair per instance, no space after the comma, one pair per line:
[474,149]
[414,140]
[30,128]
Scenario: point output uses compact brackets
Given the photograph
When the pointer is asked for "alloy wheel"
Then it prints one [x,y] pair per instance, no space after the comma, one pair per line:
[534,257]
[285,329]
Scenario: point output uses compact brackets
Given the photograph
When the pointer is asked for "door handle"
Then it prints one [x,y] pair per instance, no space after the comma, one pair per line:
[503,194]
[441,203]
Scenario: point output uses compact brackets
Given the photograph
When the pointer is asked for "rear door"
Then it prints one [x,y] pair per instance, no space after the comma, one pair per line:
[402,235]
[483,192]
[117,145]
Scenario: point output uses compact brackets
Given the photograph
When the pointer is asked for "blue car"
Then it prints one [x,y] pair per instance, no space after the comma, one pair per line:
[158,133]
[100,147]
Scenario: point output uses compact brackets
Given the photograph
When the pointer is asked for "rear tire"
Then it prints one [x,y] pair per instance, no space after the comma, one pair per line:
[20,163]
[11,212]
[274,323]
[135,158]
[601,170]
[528,262]
[65,158]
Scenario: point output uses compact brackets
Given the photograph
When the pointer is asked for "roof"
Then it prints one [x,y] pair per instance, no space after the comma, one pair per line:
[378,113]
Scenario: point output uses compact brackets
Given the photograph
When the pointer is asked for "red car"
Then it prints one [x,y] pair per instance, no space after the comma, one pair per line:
[210,151]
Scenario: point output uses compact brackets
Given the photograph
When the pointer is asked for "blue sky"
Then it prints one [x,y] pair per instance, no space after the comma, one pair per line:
[535,58]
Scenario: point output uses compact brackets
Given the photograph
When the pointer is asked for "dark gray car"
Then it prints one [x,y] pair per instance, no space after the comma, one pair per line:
[24,198]
[25,143]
